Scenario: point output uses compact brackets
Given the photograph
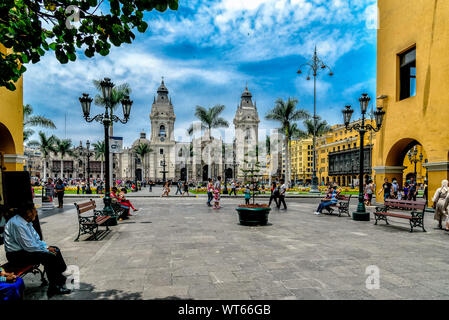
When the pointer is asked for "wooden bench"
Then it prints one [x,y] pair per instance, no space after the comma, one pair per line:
[21,271]
[342,205]
[415,208]
[88,224]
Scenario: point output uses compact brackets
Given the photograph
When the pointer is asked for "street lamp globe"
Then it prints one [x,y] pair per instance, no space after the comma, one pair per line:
[86,102]
[126,104]
[347,114]
[364,101]
[379,115]
[106,88]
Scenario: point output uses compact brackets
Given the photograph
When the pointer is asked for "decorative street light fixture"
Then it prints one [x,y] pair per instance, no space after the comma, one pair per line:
[315,65]
[107,118]
[362,128]
[412,156]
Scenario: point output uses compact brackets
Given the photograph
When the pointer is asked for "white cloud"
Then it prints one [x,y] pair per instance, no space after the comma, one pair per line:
[265,29]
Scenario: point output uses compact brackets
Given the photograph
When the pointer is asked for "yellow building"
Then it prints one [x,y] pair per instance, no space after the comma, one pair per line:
[302,160]
[11,126]
[412,87]
[338,154]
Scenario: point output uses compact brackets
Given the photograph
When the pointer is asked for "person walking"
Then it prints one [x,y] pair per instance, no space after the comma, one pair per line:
[369,190]
[386,188]
[440,204]
[395,187]
[179,187]
[247,194]
[151,186]
[233,188]
[217,198]
[209,192]
[185,187]
[59,188]
[413,189]
[83,187]
[282,191]
[274,193]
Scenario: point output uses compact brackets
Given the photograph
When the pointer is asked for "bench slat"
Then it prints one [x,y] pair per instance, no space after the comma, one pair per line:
[396,215]
[85,204]
[85,209]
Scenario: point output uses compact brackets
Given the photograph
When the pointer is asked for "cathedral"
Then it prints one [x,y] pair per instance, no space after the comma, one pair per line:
[203,157]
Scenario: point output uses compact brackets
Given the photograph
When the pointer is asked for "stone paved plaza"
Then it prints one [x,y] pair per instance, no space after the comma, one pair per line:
[179,248]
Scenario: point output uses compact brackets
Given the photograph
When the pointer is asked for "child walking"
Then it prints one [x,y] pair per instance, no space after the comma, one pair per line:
[247,194]
[216,198]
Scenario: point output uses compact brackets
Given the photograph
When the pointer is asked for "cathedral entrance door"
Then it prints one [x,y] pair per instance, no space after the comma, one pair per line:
[205,172]
[139,174]
[183,174]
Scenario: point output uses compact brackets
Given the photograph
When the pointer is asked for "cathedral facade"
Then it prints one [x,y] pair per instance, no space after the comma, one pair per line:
[203,157]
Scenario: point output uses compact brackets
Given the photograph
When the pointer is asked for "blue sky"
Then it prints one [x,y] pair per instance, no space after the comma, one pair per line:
[207,51]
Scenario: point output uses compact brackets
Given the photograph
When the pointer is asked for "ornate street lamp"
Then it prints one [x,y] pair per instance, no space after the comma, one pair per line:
[412,156]
[107,118]
[362,128]
[315,65]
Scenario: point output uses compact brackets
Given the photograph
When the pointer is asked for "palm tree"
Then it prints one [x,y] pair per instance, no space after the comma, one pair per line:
[99,149]
[286,114]
[63,147]
[142,149]
[46,146]
[30,120]
[321,127]
[210,118]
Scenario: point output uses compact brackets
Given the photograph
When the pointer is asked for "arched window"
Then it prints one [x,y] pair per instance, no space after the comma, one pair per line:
[162,131]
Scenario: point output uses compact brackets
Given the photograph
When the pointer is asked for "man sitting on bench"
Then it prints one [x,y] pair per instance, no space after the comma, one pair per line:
[333,200]
[24,247]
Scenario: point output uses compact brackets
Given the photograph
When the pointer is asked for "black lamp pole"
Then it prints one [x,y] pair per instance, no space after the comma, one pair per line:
[107,118]
[88,155]
[315,64]
[412,156]
[362,128]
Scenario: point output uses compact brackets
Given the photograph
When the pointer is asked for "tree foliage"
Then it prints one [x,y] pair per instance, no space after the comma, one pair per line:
[45,144]
[210,118]
[30,28]
[30,120]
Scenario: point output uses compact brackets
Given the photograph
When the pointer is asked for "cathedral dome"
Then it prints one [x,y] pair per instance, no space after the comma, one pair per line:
[142,139]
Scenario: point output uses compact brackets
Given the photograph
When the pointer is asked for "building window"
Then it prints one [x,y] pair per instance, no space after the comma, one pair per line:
[162,131]
[407,74]
[161,151]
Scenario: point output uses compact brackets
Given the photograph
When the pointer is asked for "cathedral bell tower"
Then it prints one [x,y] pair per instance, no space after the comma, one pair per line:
[246,123]
[162,138]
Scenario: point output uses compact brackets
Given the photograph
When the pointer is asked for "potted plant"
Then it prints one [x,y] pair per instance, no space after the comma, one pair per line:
[253,214]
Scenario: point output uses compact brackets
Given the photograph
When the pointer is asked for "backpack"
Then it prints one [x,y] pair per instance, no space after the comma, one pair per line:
[276,191]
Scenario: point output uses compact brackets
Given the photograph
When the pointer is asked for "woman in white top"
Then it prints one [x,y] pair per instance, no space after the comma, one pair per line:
[440,203]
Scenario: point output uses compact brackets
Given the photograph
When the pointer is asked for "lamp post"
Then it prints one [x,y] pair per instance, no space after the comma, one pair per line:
[163,164]
[315,65]
[362,128]
[412,156]
[107,118]
[86,154]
